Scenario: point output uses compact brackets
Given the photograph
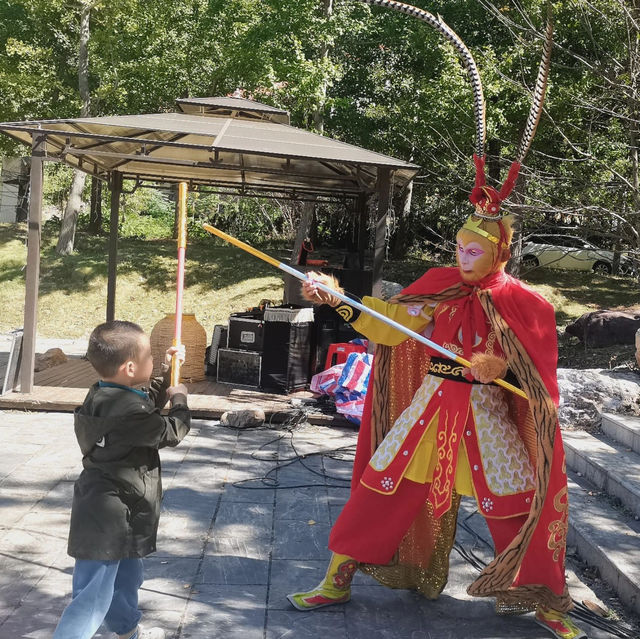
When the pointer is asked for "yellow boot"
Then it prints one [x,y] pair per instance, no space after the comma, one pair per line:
[335,588]
[559,624]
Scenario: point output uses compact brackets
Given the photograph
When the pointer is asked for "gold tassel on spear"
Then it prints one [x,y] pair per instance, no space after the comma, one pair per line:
[182,248]
[361,307]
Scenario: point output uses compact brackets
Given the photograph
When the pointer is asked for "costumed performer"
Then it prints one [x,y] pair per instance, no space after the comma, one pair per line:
[433,430]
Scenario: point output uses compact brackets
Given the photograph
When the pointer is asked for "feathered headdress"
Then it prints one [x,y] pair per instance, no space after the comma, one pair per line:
[486,199]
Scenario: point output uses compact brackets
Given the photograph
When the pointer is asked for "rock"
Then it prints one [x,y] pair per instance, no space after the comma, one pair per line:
[48,359]
[585,393]
[389,289]
[605,328]
[249,418]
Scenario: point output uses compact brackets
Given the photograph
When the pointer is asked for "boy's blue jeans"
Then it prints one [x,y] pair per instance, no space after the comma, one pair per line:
[102,591]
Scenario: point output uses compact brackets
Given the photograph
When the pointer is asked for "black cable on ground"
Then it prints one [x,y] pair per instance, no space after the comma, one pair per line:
[346,453]
[295,419]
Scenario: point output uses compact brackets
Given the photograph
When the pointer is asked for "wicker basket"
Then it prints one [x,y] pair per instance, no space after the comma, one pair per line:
[194,338]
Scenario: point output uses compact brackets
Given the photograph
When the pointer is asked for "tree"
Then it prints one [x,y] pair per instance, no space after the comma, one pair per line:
[69,220]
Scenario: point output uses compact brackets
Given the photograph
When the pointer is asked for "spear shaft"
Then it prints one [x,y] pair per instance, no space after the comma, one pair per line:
[348,300]
[182,248]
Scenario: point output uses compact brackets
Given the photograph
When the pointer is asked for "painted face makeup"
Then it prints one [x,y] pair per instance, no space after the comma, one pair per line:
[475,258]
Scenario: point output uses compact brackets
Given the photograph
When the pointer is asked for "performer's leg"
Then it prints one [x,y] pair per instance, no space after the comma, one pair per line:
[369,529]
[536,569]
[372,525]
[335,588]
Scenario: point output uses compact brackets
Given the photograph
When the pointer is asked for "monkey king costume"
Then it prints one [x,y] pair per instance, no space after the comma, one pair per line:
[434,430]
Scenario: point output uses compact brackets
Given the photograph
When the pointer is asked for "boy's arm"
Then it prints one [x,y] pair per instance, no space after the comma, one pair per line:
[154,430]
[158,387]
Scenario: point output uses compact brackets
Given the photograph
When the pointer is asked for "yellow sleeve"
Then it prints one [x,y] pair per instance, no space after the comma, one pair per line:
[381,333]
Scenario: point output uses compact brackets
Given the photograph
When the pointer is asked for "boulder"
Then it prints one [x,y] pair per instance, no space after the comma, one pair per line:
[605,328]
[248,418]
[52,357]
[586,393]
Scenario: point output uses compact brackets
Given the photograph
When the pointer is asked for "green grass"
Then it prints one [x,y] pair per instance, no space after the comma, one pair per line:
[220,280]
[73,289]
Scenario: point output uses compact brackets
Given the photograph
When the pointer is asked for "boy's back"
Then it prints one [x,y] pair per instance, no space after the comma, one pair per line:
[116,502]
[116,499]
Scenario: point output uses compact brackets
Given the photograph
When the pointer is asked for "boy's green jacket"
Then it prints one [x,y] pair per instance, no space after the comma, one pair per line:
[116,499]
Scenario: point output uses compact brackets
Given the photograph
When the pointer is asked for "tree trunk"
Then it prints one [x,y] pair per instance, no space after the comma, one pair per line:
[70,219]
[304,231]
[634,98]
[307,218]
[67,235]
[515,263]
[399,243]
[95,215]
[318,113]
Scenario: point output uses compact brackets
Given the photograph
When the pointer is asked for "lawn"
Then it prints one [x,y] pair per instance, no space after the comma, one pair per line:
[220,280]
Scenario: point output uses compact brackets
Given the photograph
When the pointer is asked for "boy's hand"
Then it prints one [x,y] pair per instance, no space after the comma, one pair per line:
[178,389]
[179,351]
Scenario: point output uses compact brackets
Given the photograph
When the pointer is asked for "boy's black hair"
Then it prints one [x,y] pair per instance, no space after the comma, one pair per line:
[112,344]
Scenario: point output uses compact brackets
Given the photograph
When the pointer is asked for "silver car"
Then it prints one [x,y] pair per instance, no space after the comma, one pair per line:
[572,253]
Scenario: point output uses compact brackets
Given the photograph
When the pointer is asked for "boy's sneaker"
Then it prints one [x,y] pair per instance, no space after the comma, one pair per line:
[145,633]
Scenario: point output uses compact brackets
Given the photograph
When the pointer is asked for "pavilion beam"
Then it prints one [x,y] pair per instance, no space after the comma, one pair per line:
[32,284]
[116,191]
[384,194]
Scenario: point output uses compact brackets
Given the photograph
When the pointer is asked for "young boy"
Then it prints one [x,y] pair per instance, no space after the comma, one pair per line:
[116,500]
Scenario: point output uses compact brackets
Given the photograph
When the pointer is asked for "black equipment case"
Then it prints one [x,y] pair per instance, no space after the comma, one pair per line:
[287,348]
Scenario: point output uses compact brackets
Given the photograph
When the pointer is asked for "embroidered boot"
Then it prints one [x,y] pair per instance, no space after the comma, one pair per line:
[335,588]
[559,624]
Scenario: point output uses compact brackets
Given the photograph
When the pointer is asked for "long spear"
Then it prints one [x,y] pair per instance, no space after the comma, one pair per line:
[361,307]
[182,248]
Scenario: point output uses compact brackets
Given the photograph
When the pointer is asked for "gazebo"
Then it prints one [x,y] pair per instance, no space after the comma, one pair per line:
[231,144]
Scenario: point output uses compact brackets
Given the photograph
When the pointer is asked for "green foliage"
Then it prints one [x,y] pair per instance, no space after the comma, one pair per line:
[146,214]
[377,79]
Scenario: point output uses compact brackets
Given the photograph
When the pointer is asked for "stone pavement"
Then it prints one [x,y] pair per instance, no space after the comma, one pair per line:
[227,555]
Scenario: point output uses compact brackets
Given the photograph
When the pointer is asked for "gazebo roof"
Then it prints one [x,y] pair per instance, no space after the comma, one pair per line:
[223,142]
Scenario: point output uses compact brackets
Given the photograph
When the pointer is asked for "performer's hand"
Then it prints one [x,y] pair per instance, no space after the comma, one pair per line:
[313,294]
[485,368]
[178,351]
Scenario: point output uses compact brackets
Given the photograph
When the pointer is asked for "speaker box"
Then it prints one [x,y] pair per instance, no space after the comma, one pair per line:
[246,331]
[286,355]
[241,368]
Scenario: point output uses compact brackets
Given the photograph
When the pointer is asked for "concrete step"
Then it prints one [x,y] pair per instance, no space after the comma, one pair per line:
[623,428]
[606,538]
[608,465]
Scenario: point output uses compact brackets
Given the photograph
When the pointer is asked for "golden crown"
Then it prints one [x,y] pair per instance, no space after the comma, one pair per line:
[474,225]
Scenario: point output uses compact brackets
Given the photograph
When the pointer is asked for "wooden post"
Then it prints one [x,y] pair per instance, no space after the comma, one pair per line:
[361,209]
[38,144]
[116,190]
[384,188]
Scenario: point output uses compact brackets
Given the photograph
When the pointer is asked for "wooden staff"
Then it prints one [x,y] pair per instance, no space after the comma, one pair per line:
[182,248]
[361,307]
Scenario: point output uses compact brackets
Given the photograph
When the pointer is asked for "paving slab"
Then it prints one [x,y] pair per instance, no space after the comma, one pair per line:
[230,546]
